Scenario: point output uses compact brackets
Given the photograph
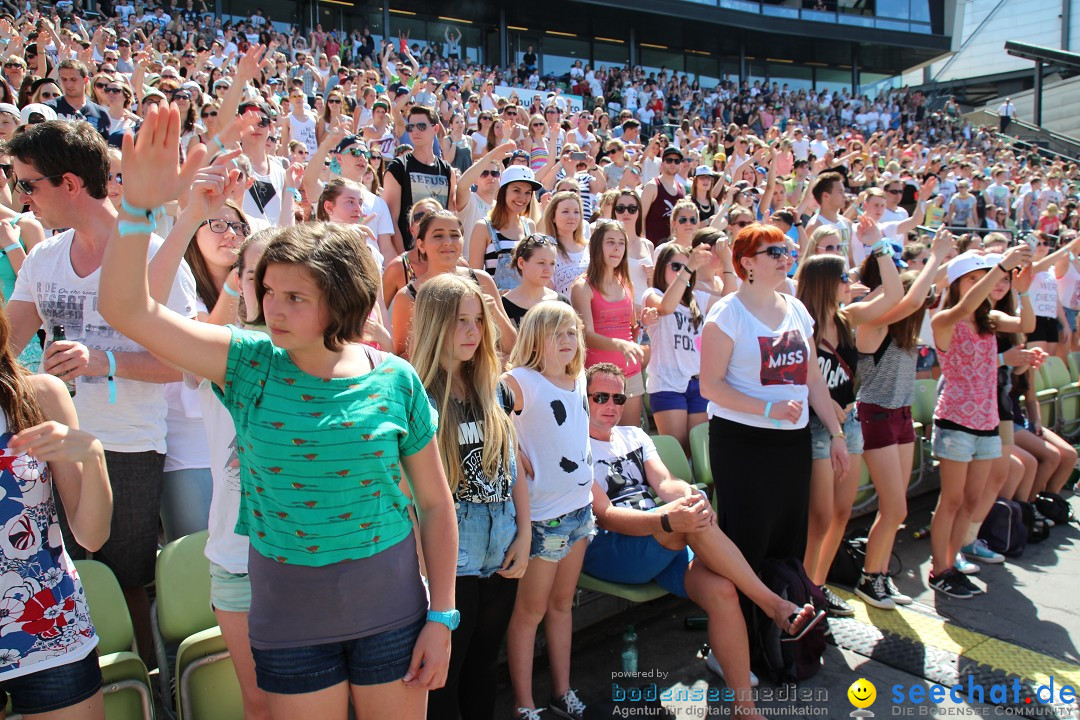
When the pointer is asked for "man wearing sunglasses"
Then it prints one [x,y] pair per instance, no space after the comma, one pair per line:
[661,193]
[63,177]
[678,544]
[264,199]
[74,105]
[417,175]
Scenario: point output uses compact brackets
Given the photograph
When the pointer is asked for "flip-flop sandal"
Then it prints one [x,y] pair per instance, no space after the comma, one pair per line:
[785,638]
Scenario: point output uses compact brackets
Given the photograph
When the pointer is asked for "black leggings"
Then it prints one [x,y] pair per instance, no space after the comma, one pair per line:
[485,605]
[762,479]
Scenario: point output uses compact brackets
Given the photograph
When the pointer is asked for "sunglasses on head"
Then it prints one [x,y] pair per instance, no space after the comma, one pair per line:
[601,398]
[775,252]
[629,209]
[419,127]
[539,241]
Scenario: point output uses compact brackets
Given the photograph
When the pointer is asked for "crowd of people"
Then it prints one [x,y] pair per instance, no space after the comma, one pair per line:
[361,315]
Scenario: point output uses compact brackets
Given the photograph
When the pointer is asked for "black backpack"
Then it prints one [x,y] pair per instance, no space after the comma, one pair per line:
[1054,507]
[795,661]
[847,565]
[1004,530]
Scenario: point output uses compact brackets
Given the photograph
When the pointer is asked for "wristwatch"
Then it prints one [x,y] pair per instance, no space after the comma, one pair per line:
[449,618]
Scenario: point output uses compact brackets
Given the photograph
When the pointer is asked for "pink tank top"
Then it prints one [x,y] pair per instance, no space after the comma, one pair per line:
[969,367]
[613,320]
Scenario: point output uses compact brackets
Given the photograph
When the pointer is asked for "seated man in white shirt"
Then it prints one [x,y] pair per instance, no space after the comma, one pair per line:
[679,544]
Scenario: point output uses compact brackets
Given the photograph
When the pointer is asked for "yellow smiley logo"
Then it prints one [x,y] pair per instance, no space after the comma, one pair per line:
[862,693]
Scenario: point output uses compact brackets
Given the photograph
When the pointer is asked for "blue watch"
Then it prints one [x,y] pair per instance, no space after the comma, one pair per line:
[449,618]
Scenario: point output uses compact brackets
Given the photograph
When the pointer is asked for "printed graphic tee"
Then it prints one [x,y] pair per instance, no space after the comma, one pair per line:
[619,467]
[766,363]
[418,182]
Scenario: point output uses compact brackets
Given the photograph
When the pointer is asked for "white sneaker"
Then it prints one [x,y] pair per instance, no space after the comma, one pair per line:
[713,664]
[965,566]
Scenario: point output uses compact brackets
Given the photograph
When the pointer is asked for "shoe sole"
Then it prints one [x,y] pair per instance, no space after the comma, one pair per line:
[966,571]
[905,601]
[879,604]
[840,613]
[985,561]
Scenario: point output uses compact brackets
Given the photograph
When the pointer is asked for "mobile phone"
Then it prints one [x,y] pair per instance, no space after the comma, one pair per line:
[578,156]
[925,229]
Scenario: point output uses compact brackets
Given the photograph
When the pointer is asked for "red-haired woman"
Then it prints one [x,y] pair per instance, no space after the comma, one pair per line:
[759,368]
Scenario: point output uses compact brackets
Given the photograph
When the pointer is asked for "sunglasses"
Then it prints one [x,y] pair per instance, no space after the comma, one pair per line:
[740,224]
[376,157]
[358,152]
[181,96]
[211,113]
[417,217]
[264,121]
[672,161]
[539,241]
[49,95]
[629,209]
[684,220]
[12,65]
[419,127]
[114,91]
[601,398]
[491,174]
[220,226]
[775,252]
[845,278]
[26,187]
[118,178]
[333,101]
[273,138]
[99,86]
[895,192]
[539,124]
[677,266]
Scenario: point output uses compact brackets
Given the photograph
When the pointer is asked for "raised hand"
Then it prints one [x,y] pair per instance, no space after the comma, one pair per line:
[942,244]
[151,163]
[248,66]
[868,231]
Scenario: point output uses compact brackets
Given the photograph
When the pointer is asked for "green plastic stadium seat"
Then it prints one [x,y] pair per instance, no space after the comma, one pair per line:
[126,681]
[699,454]
[1067,409]
[633,593]
[184,619]
[673,457]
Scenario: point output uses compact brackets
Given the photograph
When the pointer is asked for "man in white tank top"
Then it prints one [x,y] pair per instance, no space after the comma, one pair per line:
[300,123]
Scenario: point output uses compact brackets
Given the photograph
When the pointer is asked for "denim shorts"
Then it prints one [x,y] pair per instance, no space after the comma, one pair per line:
[230,592]
[821,441]
[689,400]
[56,688]
[485,532]
[371,660]
[960,446]
[636,560]
[1070,317]
[552,539]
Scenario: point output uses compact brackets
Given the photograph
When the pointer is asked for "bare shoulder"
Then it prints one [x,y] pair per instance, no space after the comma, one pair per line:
[51,394]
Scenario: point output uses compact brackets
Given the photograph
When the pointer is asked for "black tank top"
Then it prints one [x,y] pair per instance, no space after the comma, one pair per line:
[837,374]
[658,221]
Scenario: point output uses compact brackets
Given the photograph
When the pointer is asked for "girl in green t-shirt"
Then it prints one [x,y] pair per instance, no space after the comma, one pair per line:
[326,429]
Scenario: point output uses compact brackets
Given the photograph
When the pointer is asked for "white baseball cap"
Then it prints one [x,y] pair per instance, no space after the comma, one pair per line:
[44,110]
[519,173]
[966,263]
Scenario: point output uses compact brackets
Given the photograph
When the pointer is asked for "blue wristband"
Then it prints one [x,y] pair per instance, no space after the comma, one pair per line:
[768,409]
[217,141]
[229,291]
[134,228]
[112,376]
[12,246]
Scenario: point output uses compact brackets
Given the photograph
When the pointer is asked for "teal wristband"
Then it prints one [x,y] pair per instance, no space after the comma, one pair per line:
[217,141]
[133,228]
[229,291]
[112,376]
[768,409]
[12,246]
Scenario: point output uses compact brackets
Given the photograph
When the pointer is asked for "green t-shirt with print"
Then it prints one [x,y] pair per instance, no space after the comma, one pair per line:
[320,459]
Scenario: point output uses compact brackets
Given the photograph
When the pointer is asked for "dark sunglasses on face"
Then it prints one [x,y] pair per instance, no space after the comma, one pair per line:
[686,219]
[740,224]
[220,226]
[845,278]
[829,248]
[376,157]
[49,95]
[775,252]
[209,113]
[114,91]
[11,65]
[491,174]
[26,187]
[419,127]
[895,191]
[538,124]
[117,178]
[333,101]
[677,266]
[629,209]
[181,96]
[672,161]
[264,121]
[273,138]
[358,152]
[601,398]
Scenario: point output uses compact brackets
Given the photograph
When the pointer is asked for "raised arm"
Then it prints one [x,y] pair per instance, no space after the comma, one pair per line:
[944,321]
[154,176]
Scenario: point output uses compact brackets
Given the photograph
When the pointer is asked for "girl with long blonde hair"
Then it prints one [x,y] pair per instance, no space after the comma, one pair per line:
[455,355]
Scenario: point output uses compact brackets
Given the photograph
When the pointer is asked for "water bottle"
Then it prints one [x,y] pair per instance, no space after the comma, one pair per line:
[58,334]
[629,653]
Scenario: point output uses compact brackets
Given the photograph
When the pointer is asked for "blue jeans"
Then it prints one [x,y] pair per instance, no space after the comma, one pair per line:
[485,532]
[185,502]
